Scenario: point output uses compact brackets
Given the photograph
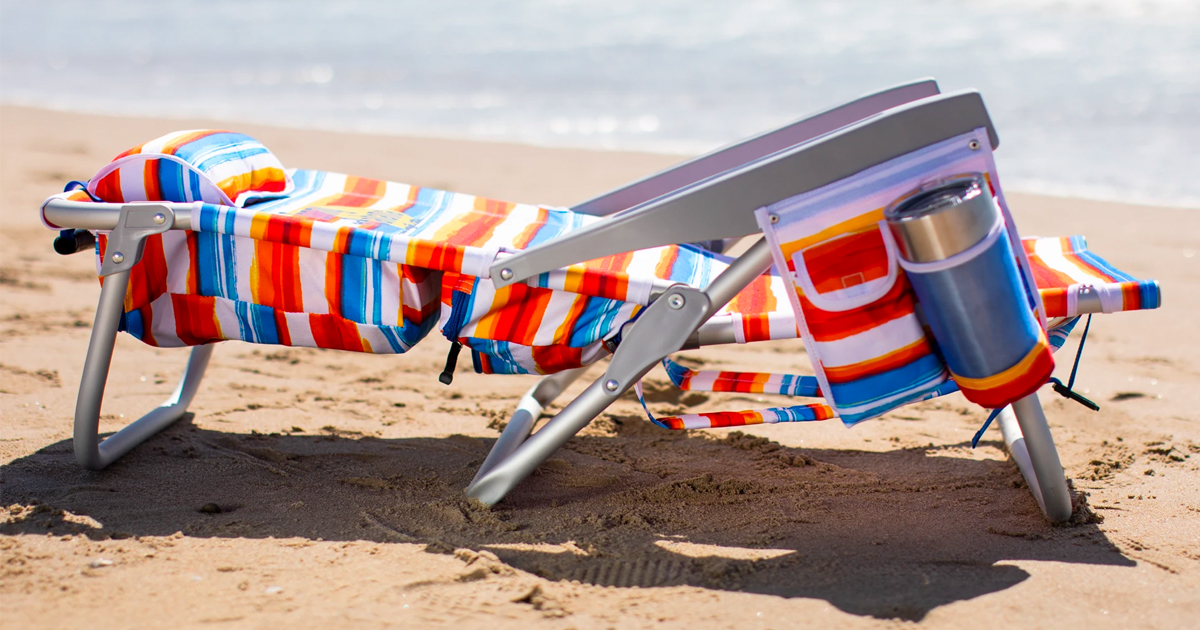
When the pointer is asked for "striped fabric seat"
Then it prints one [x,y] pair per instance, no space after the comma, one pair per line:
[350,263]
[359,264]
[338,264]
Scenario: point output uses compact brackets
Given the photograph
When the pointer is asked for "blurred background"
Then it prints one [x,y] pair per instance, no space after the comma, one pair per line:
[1092,98]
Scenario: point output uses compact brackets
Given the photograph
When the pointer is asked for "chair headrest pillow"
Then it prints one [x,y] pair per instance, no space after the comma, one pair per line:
[219,167]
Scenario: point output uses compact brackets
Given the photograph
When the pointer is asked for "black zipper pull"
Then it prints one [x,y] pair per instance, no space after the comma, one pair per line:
[447,375]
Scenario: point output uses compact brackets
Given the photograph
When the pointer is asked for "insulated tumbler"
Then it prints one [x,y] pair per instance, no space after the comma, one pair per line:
[957,255]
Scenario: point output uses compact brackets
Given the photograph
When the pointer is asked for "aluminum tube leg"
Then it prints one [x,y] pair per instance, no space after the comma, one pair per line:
[1032,446]
[662,329]
[491,486]
[89,450]
[529,409]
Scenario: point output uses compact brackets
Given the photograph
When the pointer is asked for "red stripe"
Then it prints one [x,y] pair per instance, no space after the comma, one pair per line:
[556,358]
[333,283]
[109,187]
[830,326]
[195,319]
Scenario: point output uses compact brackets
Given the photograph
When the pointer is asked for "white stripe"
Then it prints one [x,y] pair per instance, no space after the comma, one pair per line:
[391,293]
[299,330]
[1051,252]
[156,145]
[1112,299]
[133,179]
[393,195]
[512,226]
[312,281]
[179,260]
[244,251]
[163,312]
[556,314]
[871,344]
[227,318]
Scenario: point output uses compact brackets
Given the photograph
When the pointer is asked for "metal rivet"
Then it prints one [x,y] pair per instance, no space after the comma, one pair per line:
[611,385]
[973,145]
[676,301]
[160,218]
[774,218]
[118,258]
[506,274]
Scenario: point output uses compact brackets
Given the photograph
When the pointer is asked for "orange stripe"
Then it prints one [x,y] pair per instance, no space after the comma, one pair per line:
[1018,381]
[171,147]
[151,182]
[527,235]
[475,227]
[879,365]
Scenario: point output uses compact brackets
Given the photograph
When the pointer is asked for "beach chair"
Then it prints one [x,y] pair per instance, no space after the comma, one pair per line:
[885,242]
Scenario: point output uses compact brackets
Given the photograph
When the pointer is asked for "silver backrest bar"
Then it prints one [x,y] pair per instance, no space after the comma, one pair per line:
[90,215]
[723,206]
[748,150]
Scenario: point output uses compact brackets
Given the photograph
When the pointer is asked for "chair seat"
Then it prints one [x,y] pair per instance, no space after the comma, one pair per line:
[366,265]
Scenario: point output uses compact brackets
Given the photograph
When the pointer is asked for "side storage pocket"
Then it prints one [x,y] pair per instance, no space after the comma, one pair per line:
[859,321]
[856,310]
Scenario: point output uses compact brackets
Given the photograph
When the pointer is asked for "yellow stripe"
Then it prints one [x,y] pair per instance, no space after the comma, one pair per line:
[858,223]
[1007,376]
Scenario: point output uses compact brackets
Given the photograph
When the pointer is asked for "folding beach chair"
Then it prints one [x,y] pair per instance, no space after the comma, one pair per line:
[886,244]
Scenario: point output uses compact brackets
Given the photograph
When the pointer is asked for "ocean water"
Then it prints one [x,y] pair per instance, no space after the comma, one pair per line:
[1091,98]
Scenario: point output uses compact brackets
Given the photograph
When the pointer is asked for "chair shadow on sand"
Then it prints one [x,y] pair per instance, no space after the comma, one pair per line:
[887,534]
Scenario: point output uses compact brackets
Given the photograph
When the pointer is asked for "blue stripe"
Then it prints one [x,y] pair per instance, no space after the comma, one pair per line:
[791,414]
[194,181]
[228,253]
[557,224]
[206,164]
[359,244]
[389,333]
[195,150]
[170,180]
[1150,294]
[685,267]
[377,294]
[207,259]
[1104,266]
[354,291]
[427,207]
[867,390]
[245,328]
[132,323]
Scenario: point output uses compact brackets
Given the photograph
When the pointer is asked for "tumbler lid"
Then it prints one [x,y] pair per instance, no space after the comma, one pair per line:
[942,218]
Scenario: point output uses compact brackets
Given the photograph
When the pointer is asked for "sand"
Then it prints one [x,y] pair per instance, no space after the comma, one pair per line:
[324,489]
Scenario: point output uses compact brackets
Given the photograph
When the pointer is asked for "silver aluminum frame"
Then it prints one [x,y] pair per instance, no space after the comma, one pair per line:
[710,197]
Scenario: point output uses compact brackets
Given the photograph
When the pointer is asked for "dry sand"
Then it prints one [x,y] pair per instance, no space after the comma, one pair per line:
[337,478]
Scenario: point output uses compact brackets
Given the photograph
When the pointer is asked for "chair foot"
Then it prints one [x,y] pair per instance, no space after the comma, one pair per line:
[89,450]
[529,409]
[1032,447]
[492,485]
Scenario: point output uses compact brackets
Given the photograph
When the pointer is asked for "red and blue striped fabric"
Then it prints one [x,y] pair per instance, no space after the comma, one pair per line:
[351,263]
[1065,266]
[199,165]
